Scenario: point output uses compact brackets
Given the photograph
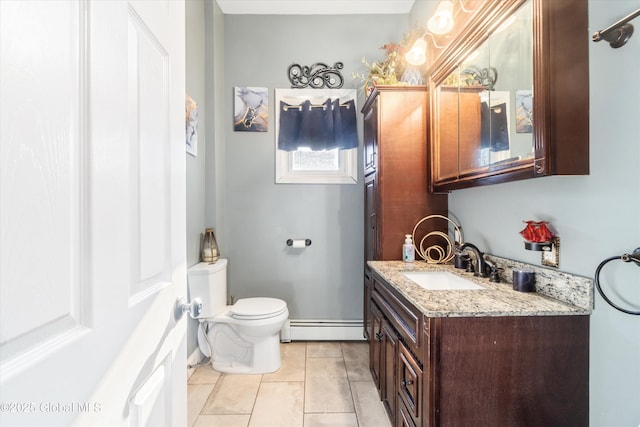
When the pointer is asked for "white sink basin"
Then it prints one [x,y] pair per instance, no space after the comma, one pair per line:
[441,281]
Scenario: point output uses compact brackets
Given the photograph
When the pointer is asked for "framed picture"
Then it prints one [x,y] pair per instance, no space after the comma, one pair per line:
[524,111]
[251,109]
[191,125]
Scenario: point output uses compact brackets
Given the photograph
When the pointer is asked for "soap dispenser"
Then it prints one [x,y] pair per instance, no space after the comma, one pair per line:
[408,251]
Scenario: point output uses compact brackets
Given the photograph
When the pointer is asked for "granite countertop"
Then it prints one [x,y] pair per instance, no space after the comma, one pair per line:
[496,299]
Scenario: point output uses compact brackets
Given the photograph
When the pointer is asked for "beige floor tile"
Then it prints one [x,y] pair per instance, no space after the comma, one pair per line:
[292,363]
[324,349]
[222,421]
[319,384]
[356,359]
[355,350]
[369,408]
[279,404]
[197,395]
[331,420]
[358,370]
[326,386]
[233,394]
[204,375]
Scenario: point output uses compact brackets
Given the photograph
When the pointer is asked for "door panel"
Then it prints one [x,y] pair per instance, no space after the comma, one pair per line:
[92,196]
[150,153]
[41,181]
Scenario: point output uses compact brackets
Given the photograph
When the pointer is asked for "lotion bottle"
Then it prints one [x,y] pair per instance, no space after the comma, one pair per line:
[408,251]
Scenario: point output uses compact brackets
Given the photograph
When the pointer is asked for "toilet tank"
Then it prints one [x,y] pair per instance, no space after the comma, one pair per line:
[208,281]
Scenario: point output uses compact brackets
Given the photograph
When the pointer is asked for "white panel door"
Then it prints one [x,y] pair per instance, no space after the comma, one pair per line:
[92,221]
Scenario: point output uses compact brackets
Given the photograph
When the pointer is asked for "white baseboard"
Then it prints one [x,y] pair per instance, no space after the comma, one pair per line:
[326,330]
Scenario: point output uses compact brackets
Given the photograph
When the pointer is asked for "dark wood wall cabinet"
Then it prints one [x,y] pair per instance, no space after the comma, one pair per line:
[396,186]
[510,95]
[477,371]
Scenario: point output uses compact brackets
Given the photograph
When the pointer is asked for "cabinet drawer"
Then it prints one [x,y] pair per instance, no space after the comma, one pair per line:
[410,382]
[404,417]
[403,316]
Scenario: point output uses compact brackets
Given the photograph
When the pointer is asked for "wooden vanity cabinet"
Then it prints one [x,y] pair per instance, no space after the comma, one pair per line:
[457,371]
[395,344]
[507,371]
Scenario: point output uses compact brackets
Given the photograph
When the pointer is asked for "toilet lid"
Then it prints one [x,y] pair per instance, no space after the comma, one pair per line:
[257,308]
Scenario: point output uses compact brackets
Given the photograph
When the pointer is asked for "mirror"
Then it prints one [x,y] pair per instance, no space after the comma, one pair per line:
[510,95]
[483,108]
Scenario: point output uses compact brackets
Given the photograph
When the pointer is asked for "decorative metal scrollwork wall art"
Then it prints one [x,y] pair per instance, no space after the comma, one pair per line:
[487,77]
[316,76]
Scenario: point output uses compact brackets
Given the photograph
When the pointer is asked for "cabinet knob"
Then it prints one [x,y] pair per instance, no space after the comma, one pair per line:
[406,382]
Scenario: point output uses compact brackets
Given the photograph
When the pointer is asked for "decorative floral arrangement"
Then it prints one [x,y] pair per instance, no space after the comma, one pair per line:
[390,70]
[537,232]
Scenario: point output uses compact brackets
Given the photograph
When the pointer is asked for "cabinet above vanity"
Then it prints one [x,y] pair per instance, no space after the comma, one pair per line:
[510,95]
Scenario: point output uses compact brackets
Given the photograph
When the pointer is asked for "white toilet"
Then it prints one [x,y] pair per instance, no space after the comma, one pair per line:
[243,338]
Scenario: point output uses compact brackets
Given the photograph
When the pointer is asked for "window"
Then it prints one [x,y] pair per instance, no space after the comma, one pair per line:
[303,165]
[317,167]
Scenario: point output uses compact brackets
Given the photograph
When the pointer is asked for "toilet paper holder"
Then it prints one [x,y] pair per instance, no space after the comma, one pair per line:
[307,242]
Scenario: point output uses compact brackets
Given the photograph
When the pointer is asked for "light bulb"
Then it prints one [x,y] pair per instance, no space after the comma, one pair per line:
[442,20]
[417,55]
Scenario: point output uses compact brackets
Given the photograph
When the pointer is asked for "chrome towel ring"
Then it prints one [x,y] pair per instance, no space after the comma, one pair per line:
[633,257]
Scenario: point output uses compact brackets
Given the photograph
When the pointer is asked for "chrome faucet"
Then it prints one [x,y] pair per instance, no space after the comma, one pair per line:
[482,266]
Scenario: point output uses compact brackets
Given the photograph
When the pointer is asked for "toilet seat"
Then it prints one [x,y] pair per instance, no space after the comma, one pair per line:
[257,308]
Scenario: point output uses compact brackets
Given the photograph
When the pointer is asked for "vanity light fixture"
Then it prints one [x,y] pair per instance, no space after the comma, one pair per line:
[440,23]
[442,20]
[417,55]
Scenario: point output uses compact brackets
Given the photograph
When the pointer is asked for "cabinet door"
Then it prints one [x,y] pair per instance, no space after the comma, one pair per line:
[371,138]
[371,217]
[375,345]
[429,378]
[389,388]
[366,309]
[404,416]
[410,383]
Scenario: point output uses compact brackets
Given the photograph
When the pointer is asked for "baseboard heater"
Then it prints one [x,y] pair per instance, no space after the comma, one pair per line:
[322,330]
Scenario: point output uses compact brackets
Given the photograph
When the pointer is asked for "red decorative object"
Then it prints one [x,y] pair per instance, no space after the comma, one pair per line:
[537,232]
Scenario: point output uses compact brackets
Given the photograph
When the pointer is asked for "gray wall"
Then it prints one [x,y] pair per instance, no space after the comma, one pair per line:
[205,172]
[215,162]
[596,217]
[195,166]
[323,281]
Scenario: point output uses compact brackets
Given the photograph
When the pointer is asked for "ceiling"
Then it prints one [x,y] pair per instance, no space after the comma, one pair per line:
[314,7]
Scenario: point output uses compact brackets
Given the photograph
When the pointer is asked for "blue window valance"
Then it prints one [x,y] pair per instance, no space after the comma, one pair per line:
[326,125]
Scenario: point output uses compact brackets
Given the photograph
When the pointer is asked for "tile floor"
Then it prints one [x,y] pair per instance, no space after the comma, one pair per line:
[319,384]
